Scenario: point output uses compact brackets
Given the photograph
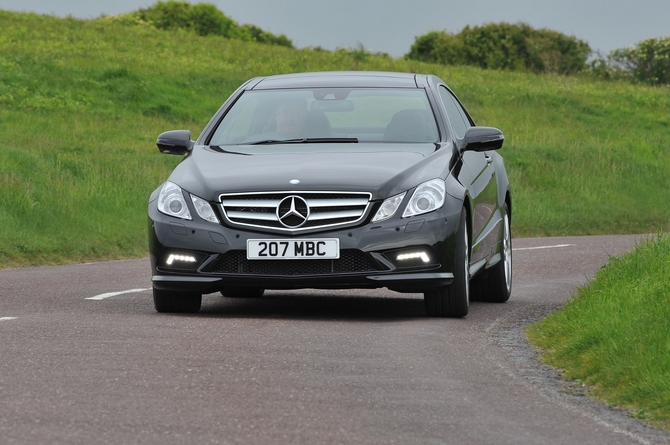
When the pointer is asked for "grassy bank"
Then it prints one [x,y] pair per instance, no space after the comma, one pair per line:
[82,101]
[615,335]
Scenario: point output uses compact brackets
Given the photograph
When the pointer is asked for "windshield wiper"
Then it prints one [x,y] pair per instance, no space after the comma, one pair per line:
[304,141]
[221,150]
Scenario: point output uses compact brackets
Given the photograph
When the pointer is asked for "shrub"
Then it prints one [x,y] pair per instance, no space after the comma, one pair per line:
[438,47]
[167,15]
[254,33]
[202,18]
[206,19]
[648,62]
[503,46]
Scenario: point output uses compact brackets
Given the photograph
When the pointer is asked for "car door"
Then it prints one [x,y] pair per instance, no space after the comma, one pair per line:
[478,176]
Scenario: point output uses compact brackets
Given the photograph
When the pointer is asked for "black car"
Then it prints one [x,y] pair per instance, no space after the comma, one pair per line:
[334,181]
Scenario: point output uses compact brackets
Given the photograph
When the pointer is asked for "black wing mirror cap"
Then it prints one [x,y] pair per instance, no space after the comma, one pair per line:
[175,142]
[483,139]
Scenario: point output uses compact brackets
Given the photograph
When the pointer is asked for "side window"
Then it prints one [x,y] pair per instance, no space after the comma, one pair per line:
[455,113]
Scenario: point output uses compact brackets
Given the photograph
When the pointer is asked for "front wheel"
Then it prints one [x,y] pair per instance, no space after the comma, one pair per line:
[495,285]
[178,302]
[454,300]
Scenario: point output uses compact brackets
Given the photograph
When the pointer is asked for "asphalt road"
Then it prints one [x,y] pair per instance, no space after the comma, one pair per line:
[82,363]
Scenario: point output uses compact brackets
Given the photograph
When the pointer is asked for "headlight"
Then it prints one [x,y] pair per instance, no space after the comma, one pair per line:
[171,201]
[388,208]
[204,209]
[427,197]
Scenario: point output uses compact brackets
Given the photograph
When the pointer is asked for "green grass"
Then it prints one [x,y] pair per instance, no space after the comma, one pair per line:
[614,336]
[82,101]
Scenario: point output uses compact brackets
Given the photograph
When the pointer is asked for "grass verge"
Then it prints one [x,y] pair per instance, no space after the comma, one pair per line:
[614,336]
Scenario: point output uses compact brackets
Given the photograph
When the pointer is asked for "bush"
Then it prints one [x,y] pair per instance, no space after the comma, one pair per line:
[503,46]
[254,33]
[206,19]
[648,62]
[438,47]
[203,18]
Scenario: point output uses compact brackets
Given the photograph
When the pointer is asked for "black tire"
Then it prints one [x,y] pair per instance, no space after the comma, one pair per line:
[176,302]
[242,292]
[454,300]
[495,285]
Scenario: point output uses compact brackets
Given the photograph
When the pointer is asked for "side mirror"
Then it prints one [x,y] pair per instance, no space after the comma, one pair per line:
[175,142]
[483,139]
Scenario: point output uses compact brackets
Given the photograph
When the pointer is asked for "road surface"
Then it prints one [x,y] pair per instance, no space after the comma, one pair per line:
[85,359]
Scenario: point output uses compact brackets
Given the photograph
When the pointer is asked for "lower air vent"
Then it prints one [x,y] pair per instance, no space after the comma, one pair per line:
[350,261]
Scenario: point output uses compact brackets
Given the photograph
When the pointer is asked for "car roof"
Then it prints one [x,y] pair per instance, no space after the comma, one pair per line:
[342,79]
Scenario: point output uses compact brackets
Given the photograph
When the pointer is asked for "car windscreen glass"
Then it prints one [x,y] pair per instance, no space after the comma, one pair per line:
[356,115]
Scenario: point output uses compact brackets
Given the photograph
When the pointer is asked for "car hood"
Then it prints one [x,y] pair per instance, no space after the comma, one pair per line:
[208,172]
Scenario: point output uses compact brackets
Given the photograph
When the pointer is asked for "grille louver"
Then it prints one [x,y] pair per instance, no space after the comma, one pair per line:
[322,209]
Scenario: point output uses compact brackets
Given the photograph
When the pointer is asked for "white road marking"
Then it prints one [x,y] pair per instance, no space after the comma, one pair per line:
[114,294]
[7,318]
[545,247]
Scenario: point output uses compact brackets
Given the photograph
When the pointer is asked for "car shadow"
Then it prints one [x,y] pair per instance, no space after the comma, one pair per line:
[322,306]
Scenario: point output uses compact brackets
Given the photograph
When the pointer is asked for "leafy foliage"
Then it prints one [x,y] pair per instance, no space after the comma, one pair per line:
[203,18]
[254,33]
[503,46]
[647,62]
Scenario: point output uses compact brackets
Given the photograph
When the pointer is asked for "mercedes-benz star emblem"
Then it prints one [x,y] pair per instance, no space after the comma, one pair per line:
[293,212]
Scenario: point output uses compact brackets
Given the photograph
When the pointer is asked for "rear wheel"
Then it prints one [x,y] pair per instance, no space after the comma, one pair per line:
[166,301]
[453,300]
[496,284]
[243,292]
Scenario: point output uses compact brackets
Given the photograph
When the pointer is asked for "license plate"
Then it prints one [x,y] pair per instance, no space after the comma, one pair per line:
[293,249]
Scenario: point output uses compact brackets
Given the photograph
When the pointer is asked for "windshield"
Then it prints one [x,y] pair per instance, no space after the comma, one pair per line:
[323,115]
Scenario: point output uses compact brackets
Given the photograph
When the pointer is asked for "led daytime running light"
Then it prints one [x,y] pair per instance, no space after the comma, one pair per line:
[410,256]
[183,258]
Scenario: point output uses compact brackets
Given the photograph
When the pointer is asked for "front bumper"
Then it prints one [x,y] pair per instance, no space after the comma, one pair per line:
[214,255]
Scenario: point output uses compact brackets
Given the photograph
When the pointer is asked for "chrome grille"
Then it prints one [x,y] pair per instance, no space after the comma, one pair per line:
[287,212]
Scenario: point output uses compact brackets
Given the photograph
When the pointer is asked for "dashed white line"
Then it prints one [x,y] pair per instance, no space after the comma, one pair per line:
[7,318]
[114,294]
[545,247]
